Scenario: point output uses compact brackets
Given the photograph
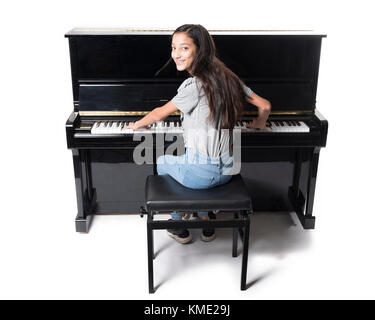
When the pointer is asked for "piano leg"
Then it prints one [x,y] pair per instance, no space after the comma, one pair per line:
[309,219]
[84,192]
[303,204]
[83,223]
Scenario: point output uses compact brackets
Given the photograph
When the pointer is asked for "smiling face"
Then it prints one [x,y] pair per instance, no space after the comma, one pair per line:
[183,51]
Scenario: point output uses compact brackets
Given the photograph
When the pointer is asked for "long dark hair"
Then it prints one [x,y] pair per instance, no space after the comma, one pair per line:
[221,86]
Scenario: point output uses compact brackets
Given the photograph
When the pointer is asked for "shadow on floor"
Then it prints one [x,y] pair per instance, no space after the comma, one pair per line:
[271,234]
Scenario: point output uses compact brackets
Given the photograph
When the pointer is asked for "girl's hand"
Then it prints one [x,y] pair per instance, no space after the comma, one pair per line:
[131,126]
[258,124]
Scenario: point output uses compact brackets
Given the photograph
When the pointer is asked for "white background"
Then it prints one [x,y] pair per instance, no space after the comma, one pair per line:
[43,257]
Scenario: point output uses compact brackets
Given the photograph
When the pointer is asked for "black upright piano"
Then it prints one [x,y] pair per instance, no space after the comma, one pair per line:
[115,80]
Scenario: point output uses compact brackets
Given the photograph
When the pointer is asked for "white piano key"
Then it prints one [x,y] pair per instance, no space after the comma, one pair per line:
[118,127]
[111,127]
[159,126]
[100,128]
[142,130]
[304,127]
[285,127]
[277,127]
[94,127]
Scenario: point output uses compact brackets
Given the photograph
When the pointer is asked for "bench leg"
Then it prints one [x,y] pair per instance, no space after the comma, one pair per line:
[150,254]
[245,252]
[235,238]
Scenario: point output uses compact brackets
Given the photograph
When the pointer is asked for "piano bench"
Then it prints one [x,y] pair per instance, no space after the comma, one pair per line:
[164,194]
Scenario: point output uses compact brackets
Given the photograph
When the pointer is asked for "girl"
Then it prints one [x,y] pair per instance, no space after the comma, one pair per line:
[212,98]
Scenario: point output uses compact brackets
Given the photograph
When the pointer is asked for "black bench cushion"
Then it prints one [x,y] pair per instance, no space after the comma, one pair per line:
[163,193]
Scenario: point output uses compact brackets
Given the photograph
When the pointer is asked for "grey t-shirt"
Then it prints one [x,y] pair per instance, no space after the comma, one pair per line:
[199,132]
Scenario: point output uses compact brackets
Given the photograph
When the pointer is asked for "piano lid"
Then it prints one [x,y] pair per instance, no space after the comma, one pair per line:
[115,69]
[150,31]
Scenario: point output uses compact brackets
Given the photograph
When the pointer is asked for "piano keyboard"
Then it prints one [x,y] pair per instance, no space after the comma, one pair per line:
[116,127]
[276,126]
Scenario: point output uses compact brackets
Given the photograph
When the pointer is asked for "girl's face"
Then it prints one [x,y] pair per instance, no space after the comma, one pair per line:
[183,51]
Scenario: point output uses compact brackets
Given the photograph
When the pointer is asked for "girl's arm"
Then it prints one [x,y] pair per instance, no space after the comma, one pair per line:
[264,109]
[157,114]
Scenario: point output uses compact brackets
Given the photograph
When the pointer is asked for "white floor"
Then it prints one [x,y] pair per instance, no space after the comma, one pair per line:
[110,262]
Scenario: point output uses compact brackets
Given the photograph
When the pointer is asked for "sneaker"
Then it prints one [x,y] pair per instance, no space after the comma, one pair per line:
[186,216]
[190,216]
[209,234]
[180,235]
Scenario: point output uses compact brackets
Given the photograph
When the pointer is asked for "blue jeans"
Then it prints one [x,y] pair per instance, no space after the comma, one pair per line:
[195,171]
